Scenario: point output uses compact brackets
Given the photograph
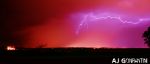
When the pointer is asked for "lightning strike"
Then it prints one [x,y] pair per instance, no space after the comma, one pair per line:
[91,17]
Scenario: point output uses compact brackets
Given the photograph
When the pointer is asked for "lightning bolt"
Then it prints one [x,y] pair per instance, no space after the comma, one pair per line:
[95,17]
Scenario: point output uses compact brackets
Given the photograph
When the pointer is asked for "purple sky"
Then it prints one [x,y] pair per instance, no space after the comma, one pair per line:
[116,25]
[56,23]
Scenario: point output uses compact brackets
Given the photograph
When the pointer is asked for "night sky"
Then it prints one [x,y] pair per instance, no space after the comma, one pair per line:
[54,23]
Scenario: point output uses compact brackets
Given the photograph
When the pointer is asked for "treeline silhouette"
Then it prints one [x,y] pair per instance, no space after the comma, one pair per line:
[146,36]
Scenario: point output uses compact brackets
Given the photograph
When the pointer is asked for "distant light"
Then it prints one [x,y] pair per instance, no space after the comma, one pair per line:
[11,48]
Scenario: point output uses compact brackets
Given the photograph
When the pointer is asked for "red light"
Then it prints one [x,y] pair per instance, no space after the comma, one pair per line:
[11,48]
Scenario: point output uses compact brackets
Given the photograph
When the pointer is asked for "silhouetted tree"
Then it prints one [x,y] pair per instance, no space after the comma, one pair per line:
[146,36]
[41,45]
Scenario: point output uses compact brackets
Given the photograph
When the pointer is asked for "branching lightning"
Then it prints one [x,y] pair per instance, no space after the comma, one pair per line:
[93,17]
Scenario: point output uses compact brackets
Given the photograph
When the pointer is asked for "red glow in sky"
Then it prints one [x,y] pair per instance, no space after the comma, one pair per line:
[58,21]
